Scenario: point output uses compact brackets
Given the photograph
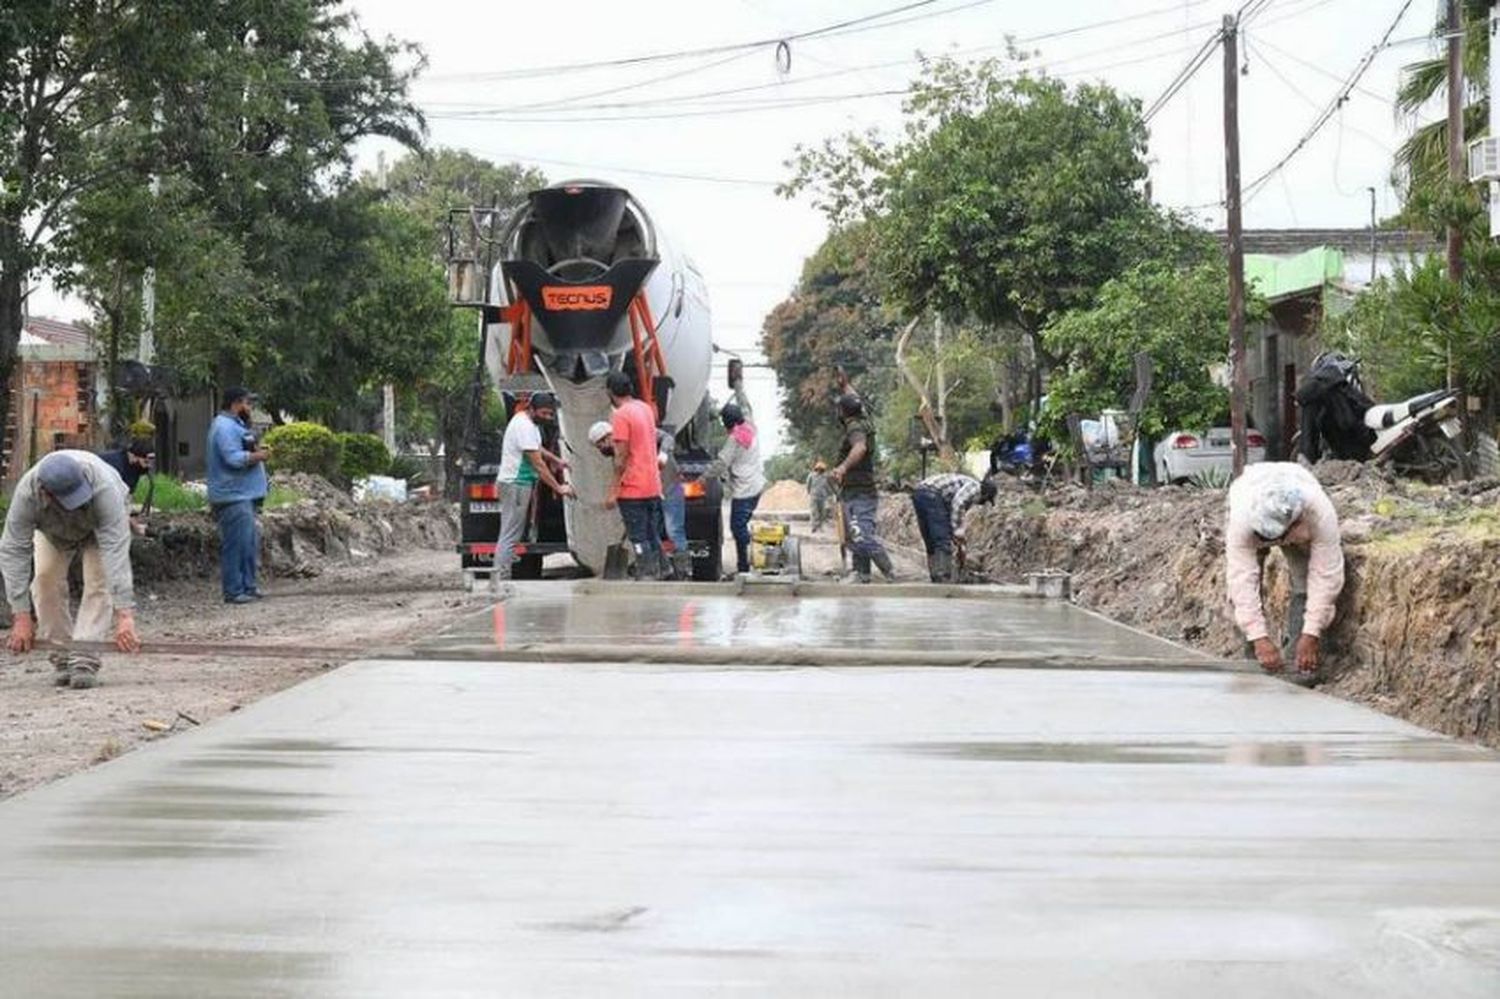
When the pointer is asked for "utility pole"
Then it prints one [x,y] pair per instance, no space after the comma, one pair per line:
[388,390]
[1456,171]
[1239,385]
[942,375]
[1373,248]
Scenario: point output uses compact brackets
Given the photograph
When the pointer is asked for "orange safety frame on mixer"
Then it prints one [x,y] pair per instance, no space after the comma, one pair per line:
[519,317]
[648,357]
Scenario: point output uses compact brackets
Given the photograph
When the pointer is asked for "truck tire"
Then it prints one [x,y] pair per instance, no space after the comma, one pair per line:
[527,567]
[710,567]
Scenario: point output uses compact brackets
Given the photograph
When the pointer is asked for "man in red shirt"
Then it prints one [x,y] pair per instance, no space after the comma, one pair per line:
[635,486]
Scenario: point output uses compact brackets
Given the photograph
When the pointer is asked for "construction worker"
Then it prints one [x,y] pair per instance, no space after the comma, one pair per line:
[855,477]
[1280,504]
[635,485]
[739,465]
[673,506]
[70,502]
[524,462]
[819,493]
[940,502]
[131,462]
[237,488]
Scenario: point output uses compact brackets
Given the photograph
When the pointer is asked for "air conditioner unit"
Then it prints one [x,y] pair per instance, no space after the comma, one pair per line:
[1484,159]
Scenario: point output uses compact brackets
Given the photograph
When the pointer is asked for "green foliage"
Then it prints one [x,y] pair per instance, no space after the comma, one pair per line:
[170,495]
[1178,317]
[1406,328]
[363,455]
[279,496]
[1212,477]
[1422,160]
[304,447]
[787,465]
[1012,199]
[833,318]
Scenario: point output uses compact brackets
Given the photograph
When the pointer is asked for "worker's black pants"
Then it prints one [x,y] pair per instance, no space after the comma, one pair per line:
[740,512]
[934,520]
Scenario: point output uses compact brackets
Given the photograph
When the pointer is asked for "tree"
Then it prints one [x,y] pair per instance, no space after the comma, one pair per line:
[1422,160]
[834,318]
[427,186]
[1010,201]
[1177,317]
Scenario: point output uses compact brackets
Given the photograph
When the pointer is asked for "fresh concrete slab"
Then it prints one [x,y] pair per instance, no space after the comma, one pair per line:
[478,829]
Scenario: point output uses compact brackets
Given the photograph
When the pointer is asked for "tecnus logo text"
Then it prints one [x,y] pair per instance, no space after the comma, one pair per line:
[577,297]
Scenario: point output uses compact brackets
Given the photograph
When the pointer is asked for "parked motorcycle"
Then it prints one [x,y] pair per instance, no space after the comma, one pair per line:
[1418,437]
[1023,455]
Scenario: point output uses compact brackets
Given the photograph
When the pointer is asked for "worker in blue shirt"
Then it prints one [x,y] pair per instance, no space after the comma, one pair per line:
[131,462]
[237,486]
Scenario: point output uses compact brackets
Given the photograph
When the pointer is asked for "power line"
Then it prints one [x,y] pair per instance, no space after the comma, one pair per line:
[641,171]
[845,71]
[1342,95]
[837,27]
[1207,49]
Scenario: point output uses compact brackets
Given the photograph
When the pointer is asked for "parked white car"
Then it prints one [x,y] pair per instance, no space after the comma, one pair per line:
[1183,454]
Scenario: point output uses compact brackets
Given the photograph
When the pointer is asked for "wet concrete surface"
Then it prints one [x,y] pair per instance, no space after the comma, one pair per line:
[877,617]
[438,828]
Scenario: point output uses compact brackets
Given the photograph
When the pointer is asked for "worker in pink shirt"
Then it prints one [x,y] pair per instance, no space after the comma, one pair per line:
[1280,504]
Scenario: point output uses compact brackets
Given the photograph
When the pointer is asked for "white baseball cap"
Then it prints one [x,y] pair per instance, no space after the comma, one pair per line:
[599,431]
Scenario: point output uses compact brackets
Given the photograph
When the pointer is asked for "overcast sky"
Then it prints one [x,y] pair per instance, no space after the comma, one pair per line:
[635,123]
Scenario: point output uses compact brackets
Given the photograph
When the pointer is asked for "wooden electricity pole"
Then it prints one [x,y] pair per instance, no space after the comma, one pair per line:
[1239,385]
[1456,171]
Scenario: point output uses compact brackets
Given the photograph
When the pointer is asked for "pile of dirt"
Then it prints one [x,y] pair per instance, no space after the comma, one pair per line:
[1418,626]
[785,496]
[326,525]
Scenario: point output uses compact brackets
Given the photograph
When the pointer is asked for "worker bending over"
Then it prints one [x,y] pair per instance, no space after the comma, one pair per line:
[1280,504]
[739,465]
[70,502]
[855,477]
[940,502]
[523,463]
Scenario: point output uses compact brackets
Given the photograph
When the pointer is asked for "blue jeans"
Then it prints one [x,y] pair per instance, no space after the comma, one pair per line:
[859,518]
[239,547]
[934,520]
[740,512]
[674,512]
[643,527]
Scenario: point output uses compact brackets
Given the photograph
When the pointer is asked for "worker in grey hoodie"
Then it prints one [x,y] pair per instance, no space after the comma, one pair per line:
[739,465]
[69,503]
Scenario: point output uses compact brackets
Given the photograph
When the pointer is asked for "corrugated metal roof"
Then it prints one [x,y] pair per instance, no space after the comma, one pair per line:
[1285,242]
[58,332]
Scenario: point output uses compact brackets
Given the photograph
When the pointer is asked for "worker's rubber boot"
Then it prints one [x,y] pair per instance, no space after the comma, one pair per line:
[1296,614]
[682,566]
[942,571]
[882,562]
[932,568]
[85,670]
[62,669]
[861,568]
[648,567]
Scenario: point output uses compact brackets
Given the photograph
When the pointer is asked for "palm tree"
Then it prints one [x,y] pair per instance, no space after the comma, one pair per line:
[1422,161]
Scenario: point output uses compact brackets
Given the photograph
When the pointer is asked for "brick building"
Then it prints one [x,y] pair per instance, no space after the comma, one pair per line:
[56,393]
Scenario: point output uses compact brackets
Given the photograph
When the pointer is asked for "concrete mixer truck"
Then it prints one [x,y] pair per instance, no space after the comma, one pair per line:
[575,283]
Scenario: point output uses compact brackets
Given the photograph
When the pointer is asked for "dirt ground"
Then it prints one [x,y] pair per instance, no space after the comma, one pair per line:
[48,732]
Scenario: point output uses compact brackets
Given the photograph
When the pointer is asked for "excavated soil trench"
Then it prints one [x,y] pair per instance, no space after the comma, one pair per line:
[1418,622]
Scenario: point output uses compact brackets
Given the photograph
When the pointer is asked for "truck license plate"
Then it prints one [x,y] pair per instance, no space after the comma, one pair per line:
[484,507]
[1451,427]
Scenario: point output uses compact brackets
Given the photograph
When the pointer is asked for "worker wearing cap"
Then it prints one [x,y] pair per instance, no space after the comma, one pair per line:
[70,502]
[1280,504]
[237,487]
[940,502]
[819,492]
[738,464]
[855,477]
[131,462]
[523,463]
